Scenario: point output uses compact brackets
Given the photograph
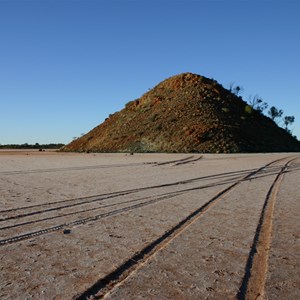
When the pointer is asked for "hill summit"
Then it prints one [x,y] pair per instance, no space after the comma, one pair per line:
[187,113]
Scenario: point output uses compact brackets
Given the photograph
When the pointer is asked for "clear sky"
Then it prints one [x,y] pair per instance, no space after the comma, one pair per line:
[66,65]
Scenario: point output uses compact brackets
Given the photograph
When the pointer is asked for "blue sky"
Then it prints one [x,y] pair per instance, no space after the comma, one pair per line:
[66,65]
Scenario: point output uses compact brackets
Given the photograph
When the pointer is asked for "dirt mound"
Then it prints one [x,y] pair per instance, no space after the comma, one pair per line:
[187,113]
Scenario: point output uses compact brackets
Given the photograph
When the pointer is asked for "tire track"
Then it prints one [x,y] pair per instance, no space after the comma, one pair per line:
[188,161]
[125,192]
[253,283]
[214,184]
[68,169]
[103,286]
[20,172]
[103,198]
[118,211]
[173,161]
[78,222]
[177,193]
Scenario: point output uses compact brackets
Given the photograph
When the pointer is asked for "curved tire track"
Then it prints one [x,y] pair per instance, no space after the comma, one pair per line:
[121,210]
[104,285]
[253,283]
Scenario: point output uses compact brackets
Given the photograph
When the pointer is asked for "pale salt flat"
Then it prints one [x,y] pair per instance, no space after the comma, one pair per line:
[73,225]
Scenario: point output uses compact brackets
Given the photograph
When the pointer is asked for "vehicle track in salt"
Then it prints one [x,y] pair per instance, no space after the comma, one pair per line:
[149,200]
[253,283]
[50,170]
[105,196]
[101,197]
[152,199]
[104,285]
[175,161]
[191,160]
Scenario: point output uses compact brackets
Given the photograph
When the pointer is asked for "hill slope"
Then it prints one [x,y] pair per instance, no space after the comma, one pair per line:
[186,113]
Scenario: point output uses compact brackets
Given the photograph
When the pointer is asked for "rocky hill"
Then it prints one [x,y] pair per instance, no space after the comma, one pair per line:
[187,113]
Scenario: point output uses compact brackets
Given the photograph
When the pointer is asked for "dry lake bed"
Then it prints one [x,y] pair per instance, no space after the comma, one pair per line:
[149,226]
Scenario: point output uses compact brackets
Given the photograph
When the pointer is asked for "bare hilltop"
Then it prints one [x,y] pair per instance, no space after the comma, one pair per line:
[187,113]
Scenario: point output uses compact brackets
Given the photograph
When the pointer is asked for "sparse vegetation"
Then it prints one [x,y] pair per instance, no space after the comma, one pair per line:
[185,113]
[288,120]
[154,117]
[248,109]
[275,113]
[32,146]
[158,127]
[235,89]
[257,103]
[225,109]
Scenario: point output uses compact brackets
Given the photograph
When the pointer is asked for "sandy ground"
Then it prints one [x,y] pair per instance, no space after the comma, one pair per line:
[149,226]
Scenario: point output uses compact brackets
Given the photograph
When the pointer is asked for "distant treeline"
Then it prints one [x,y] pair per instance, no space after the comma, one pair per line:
[32,146]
